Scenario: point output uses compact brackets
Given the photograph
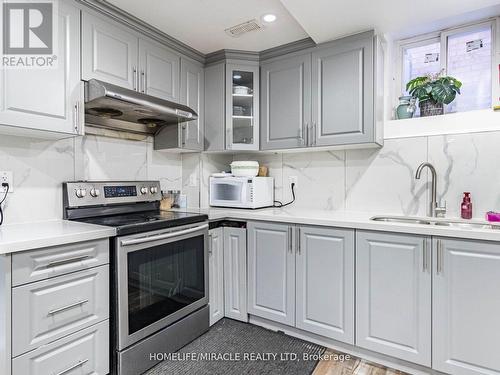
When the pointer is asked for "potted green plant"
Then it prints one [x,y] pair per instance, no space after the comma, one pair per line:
[433,91]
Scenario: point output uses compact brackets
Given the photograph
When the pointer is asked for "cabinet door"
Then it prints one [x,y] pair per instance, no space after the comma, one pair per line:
[466,307]
[235,273]
[216,275]
[109,52]
[159,70]
[215,115]
[242,107]
[192,95]
[393,295]
[342,93]
[325,282]
[50,98]
[286,102]
[271,272]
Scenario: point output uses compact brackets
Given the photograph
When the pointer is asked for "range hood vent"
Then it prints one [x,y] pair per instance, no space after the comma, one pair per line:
[112,107]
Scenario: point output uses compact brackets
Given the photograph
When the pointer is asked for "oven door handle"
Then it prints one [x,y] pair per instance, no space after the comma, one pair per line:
[135,241]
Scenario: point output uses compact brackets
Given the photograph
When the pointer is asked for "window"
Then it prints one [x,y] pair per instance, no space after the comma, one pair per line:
[464,53]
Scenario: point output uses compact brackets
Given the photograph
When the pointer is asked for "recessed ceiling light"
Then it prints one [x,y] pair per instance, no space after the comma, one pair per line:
[269,17]
[237,76]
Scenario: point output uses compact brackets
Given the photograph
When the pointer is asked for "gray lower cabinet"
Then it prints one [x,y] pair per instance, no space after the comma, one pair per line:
[271,272]
[48,310]
[286,103]
[192,95]
[109,52]
[466,307]
[216,274]
[47,102]
[325,282]
[83,352]
[235,273]
[343,92]
[393,295]
[303,276]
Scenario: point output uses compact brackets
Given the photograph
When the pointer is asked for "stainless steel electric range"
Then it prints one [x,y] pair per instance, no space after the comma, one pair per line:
[159,263]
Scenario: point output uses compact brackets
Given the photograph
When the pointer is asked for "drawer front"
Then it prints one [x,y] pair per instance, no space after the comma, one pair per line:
[84,352]
[48,310]
[36,265]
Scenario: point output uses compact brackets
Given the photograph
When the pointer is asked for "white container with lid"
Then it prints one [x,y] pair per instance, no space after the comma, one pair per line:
[244,168]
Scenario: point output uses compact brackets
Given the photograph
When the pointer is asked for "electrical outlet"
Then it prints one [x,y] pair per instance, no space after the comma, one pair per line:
[293,180]
[6,177]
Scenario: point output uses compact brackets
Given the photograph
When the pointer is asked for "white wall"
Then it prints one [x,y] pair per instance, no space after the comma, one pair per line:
[378,181]
[40,167]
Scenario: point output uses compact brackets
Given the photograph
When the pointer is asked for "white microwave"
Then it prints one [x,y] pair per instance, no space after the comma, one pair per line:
[242,192]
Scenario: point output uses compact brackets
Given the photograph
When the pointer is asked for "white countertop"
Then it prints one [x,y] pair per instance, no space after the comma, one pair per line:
[354,220]
[35,235]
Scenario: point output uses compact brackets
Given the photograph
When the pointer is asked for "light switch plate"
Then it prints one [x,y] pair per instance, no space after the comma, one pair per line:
[8,177]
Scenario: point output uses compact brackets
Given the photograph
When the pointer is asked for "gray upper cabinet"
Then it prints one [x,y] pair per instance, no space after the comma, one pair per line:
[48,102]
[325,97]
[286,102]
[232,106]
[192,95]
[325,282]
[343,92]
[109,52]
[466,307]
[158,71]
[393,295]
[271,272]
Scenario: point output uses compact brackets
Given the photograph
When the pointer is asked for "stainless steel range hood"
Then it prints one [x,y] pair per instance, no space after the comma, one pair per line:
[112,107]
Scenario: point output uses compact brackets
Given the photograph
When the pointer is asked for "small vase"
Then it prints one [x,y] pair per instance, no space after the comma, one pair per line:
[430,108]
[406,107]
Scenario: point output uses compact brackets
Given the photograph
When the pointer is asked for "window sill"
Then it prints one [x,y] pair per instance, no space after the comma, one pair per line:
[483,120]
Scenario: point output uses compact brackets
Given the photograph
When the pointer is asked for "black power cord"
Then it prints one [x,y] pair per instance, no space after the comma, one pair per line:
[279,204]
[4,184]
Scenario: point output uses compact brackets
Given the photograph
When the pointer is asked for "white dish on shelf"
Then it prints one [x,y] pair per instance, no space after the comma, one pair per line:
[242,90]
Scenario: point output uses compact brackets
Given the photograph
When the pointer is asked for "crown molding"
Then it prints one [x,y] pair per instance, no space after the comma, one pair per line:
[284,49]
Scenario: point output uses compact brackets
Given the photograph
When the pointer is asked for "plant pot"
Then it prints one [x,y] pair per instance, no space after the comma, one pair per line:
[406,107]
[430,108]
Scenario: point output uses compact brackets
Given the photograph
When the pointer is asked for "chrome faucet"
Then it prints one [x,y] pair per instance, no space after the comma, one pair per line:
[434,209]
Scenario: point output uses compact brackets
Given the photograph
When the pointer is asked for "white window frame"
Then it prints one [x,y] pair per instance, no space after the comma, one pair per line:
[442,37]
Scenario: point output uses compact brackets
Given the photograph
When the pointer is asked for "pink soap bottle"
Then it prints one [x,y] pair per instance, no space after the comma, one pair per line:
[466,207]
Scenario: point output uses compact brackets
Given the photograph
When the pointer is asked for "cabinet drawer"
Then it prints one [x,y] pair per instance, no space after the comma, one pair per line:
[47,310]
[35,265]
[84,352]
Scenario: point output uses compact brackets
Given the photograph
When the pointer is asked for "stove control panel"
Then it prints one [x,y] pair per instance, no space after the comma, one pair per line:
[92,193]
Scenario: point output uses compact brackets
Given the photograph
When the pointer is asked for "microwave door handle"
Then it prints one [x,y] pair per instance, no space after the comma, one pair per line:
[140,240]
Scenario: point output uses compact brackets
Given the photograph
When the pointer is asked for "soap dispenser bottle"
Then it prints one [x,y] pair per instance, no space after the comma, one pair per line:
[466,207]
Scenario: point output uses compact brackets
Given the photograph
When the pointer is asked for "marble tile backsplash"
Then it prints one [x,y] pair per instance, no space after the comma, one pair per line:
[40,167]
[373,180]
[379,181]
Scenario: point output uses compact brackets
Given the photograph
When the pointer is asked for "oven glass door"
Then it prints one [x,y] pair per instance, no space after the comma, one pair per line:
[166,280]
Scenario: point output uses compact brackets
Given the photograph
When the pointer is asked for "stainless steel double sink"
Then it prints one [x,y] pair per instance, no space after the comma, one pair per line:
[436,222]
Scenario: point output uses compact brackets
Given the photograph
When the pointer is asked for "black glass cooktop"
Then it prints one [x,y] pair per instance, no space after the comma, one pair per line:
[146,221]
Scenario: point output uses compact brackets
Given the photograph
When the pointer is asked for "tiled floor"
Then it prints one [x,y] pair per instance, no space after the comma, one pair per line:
[353,366]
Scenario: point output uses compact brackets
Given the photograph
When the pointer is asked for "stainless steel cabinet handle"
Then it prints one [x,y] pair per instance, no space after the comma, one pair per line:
[143,81]
[297,239]
[303,135]
[64,308]
[425,265]
[183,134]
[75,117]
[134,77]
[67,260]
[315,135]
[135,241]
[210,239]
[439,255]
[81,363]
[290,245]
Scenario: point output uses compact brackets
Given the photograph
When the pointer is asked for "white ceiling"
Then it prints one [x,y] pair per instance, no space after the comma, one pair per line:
[330,19]
[201,23]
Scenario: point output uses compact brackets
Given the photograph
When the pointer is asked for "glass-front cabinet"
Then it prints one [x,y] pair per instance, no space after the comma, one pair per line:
[242,107]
